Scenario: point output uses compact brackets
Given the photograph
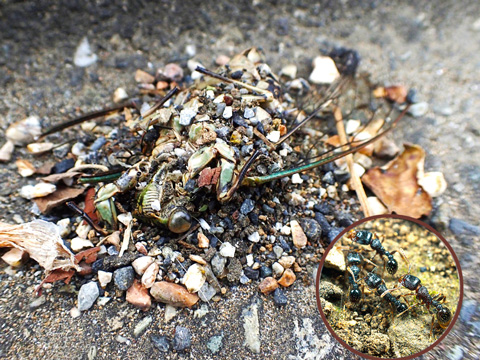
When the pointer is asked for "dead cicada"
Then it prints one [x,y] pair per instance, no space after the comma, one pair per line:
[217,132]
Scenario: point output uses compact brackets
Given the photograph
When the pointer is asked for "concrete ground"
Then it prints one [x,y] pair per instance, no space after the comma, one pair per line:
[432,46]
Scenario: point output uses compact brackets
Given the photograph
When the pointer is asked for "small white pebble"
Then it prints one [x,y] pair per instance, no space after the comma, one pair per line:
[254,237]
[296,179]
[274,136]
[228,112]
[227,250]
[286,230]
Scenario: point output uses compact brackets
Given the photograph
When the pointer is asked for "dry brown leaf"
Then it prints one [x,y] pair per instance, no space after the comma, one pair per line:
[397,186]
[60,196]
[54,178]
[42,241]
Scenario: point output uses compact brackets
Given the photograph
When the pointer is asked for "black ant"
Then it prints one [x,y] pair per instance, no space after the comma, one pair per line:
[373,282]
[364,237]
[413,283]
[354,259]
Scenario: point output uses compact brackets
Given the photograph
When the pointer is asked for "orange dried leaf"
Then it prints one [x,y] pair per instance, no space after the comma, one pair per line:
[90,209]
[89,255]
[397,186]
[397,93]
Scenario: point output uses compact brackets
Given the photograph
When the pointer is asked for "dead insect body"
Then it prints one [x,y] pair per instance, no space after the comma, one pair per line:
[364,237]
[196,142]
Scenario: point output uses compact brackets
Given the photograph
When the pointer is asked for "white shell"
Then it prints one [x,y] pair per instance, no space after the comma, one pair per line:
[39,190]
[24,131]
[78,244]
[141,264]
[227,250]
[104,278]
[194,278]
[149,276]
[324,71]
[39,148]
[433,183]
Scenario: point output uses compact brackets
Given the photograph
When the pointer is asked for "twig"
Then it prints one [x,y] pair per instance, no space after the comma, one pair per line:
[356,182]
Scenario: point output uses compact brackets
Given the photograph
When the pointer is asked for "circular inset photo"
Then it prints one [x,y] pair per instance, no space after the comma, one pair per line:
[389,287]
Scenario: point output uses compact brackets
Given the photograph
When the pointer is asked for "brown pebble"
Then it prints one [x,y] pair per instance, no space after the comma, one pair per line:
[173,72]
[143,77]
[299,237]
[268,285]
[288,278]
[222,60]
[296,267]
[141,248]
[197,259]
[203,241]
[162,85]
[173,294]
[138,296]
[286,261]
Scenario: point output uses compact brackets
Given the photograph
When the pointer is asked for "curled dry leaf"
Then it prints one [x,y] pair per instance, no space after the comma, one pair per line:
[60,196]
[42,241]
[397,185]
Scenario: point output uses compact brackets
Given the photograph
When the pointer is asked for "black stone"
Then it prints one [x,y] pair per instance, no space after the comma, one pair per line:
[323,208]
[279,297]
[345,219]
[190,186]
[284,244]
[124,277]
[161,343]
[333,233]
[250,273]
[97,265]
[268,209]
[63,166]
[161,241]
[412,96]
[342,176]
[213,241]
[328,178]
[311,228]
[253,218]
[323,222]
[182,339]
[423,269]
[265,271]
[239,120]
[236,74]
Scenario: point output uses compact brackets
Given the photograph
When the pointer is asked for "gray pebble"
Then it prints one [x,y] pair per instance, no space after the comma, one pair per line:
[215,343]
[218,264]
[112,251]
[279,297]
[244,279]
[206,292]
[311,228]
[35,304]
[161,343]
[456,353]
[247,206]
[124,277]
[418,109]
[278,250]
[459,227]
[87,295]
[468,310]
[182,339]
